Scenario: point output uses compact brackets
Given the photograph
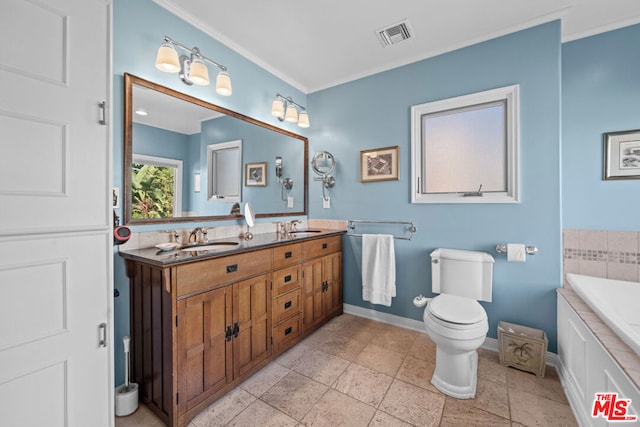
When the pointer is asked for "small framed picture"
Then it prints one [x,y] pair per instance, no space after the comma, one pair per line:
[380,164]
[255,174]
[622,155]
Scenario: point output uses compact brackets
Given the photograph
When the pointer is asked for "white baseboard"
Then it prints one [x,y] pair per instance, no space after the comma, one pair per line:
[490,344]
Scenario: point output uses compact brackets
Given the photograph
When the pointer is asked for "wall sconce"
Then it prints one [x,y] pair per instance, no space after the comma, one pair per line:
[192,68]
[284,108]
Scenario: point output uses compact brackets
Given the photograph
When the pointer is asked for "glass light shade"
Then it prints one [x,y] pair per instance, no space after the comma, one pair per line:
[277,108]
[292,114]
[223,84]
[198,72]
[167,59]
[303,119]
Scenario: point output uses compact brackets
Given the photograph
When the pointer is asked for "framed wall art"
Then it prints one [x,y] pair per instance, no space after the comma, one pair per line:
[255,174]
[622,155]
[380,164]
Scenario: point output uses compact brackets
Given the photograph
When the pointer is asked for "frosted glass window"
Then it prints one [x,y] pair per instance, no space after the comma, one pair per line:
[464,149]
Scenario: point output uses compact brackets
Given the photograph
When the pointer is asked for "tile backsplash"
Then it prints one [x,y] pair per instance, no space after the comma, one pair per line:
[601,253]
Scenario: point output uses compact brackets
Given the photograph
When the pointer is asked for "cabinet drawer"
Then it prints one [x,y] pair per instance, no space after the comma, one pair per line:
[287,255]
[319,247]
[286,332]
[286,305]
[192,278]
[286,279]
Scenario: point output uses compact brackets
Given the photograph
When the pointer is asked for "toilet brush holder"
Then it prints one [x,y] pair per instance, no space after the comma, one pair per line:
[127,393]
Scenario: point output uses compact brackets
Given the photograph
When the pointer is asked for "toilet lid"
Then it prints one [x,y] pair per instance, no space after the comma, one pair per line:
[455,309]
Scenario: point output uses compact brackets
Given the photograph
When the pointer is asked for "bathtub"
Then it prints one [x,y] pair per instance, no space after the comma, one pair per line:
[616,302]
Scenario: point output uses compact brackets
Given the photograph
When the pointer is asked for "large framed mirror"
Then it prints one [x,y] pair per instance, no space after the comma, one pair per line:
[174,172]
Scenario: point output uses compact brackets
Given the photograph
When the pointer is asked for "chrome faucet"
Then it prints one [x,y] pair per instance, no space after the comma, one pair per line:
[193,235]
[198,235]
[294,224]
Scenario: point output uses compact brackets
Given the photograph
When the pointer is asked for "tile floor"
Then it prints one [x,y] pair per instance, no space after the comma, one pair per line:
[358,372]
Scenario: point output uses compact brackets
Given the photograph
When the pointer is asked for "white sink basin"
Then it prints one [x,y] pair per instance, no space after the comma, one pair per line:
[210,247]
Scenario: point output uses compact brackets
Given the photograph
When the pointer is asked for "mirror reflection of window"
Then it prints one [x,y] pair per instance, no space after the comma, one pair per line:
[224,163]
[156,190]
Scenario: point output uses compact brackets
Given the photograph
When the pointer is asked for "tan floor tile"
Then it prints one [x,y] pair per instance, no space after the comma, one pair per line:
[319,337]
[335,409]
[380,359]
[142,417]
[491,397]
[548,387]
[292,357]
[396,339]
[413,404]
[259,414]
[489,366]
[461,413]
[322,367]
[294,395]
[382,419]
[533,410]
[423,348]
[417,372]
[364,384]
[225,409]
[264,379]
[344,347]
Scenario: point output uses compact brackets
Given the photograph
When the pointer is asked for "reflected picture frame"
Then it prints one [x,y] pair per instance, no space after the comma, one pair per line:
[621,155]
[379,164]
[255,174]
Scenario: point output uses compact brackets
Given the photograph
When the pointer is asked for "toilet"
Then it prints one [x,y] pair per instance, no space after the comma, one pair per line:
[454,320]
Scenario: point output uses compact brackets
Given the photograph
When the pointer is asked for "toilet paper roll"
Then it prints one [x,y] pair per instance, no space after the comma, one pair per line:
[516,252]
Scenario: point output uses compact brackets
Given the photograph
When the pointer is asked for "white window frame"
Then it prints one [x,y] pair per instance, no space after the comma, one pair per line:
[166,163]
[510,94]
[211,184]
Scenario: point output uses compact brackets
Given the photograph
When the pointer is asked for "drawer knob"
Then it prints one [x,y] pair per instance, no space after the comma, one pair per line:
[287,304]
[288,330]
[324,246]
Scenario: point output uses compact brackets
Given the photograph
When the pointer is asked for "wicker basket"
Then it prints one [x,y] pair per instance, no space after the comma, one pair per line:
[522,347]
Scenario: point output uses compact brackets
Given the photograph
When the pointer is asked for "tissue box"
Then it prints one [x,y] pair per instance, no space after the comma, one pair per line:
[522,347]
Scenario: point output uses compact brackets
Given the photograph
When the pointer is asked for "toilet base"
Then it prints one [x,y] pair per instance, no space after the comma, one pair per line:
[456,375]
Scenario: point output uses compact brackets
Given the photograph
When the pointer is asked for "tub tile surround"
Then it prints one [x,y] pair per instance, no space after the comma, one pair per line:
[148,239]
[318,383]
[610,255]
[601,253]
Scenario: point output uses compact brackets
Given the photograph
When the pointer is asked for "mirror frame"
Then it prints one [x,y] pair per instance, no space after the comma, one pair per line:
[129,81]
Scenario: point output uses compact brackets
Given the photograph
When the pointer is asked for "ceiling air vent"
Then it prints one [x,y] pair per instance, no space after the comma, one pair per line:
[395,33]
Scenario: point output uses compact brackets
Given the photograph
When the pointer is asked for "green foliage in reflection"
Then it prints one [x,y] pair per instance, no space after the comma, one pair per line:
[152,191]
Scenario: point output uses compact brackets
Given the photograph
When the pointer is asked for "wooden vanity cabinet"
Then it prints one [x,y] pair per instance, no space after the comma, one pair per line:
[321,281]
[199,328]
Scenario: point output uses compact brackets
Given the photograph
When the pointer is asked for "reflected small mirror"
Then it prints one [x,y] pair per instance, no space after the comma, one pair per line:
[323,163]
[248,214]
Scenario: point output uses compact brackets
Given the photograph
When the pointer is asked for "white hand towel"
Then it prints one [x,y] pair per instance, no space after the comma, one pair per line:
[378,269]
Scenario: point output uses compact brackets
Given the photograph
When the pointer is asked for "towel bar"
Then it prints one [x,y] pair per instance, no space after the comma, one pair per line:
[352,226]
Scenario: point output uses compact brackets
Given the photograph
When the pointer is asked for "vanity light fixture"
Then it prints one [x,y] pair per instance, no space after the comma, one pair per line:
[192,68]
[284,108]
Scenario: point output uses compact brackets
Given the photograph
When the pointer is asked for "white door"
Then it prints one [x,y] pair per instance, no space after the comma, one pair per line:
[56,280]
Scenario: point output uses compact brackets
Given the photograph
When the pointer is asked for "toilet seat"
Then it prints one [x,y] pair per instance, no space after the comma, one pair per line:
[456,310]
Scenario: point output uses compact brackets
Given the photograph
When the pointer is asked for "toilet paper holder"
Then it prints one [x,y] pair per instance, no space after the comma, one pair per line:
[502,249]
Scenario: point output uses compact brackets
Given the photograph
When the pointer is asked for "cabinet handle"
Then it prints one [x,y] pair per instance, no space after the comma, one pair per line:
[324,246]
[288,330]
[229,333]
[287,278]
[287,304]
[103,113]
[288,254]
[232,268]
[236,330]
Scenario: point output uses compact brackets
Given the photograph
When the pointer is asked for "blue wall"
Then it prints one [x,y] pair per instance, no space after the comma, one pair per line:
[374,112]
[601,93]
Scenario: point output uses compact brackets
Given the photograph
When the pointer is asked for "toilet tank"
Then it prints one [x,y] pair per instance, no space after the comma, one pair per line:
[463,273]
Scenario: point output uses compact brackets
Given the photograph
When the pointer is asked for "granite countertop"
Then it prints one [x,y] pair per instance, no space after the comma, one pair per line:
[260,241]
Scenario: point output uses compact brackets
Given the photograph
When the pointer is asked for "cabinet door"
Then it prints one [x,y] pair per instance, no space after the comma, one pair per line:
[251,323]
[312,289]
[204,353]
[332,278]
